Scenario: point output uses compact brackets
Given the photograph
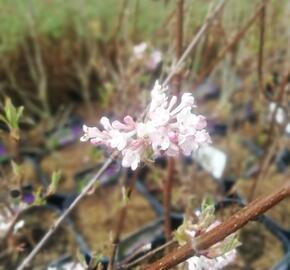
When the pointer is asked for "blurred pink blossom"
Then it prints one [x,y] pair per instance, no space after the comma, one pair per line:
[205,263]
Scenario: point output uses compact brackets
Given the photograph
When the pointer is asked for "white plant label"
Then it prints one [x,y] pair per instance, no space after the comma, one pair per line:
[212,160]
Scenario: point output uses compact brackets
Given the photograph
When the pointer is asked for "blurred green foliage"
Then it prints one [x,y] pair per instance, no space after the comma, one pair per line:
[94,17]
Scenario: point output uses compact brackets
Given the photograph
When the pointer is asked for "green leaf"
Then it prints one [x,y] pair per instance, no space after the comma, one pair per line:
[11,117]
[39,200]
[180,235]
[55,179]
[230,243]
[16,168]
[207,215]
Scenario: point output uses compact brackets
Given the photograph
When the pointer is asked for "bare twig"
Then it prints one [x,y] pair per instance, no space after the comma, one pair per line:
[261,49]
[195,40]
[167,198]
[231,225]
[120,19]
[167,188]
[233,41]
[121,219]
[179,40]
[40,76]
[147,255]
[57,223]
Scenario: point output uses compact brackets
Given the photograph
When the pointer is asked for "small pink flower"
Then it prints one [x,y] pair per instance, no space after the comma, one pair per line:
[132,155]
[128,125]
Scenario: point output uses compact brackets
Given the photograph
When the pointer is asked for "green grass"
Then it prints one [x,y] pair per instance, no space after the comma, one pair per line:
[94,17]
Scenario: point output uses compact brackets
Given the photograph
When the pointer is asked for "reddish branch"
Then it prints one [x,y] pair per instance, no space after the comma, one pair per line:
[167,198]
[177,80]
[231,225]
[179,39]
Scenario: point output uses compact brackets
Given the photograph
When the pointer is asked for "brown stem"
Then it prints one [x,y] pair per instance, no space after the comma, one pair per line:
[231,225]
[120,19]
[231,44]
[167,198]
[261,49]
[209,19]
[179,42]
[121,219]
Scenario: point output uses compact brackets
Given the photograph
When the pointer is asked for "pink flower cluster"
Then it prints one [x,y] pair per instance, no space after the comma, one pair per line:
[169,128]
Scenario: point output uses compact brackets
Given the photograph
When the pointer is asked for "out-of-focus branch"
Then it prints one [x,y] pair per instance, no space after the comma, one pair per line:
[233,41]
[57,223]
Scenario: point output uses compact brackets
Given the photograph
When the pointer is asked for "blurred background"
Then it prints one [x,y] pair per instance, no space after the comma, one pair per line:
[71,62]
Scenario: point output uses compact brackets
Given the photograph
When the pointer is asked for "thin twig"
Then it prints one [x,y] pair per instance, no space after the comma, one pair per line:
[57,223]
[147,255]
[167,189]
[167,198]
[121,219]
[120,19]
[234,40]
[231,225]
[179,41]
[195,40]
[261,49]
[41,76]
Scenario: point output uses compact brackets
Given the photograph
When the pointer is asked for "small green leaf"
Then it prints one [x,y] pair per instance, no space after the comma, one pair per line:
[55,179]
[16,168]
[11,117]
[180,235]
[230,243]
[207,215]
[39,200]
